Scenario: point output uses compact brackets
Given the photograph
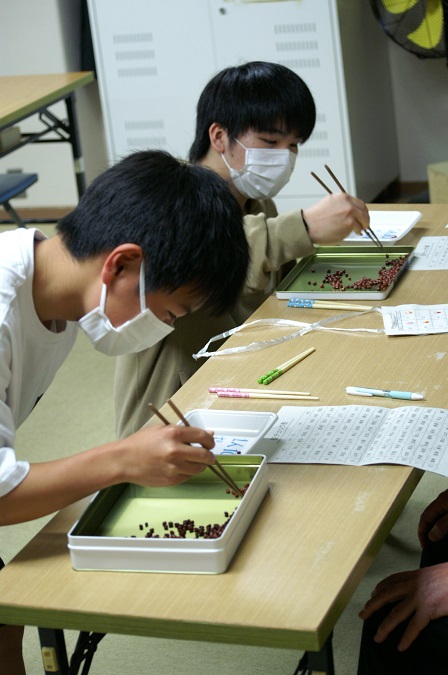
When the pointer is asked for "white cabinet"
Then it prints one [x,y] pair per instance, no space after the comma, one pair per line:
[154,57]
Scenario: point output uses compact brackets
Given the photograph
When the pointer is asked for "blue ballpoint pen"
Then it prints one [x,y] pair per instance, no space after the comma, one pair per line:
[365,391]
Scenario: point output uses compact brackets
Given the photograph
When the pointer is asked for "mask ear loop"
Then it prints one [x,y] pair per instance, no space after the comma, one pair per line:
[103,297]
[235,171]
[239,143]
[141,291]
[142,288]
[227,163]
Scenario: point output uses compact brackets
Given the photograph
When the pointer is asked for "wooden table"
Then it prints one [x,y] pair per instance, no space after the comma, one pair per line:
[315,534]
[22,96]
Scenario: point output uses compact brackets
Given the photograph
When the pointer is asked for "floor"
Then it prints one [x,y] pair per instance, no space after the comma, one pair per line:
[76,413]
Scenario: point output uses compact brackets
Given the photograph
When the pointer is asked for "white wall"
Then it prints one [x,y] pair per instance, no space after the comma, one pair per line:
[420,88]
[43,37]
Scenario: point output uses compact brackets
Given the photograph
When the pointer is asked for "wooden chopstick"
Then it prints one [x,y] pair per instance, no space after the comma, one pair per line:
[295,359]
[283,367]
[158,413]
[286,397]
[319,180]
[371,234]
[342,189]
[178,413]
[224,476]
[368,230]
[244,390]
[303,303]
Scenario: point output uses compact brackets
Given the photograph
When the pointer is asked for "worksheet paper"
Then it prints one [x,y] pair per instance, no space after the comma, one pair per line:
[357,435]
[431,253]
[415,319]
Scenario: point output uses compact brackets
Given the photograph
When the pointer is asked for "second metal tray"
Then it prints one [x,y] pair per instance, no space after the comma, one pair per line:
[307,277]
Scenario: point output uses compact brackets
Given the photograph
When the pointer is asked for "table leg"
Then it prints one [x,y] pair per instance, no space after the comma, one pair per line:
[84,652]
[317,663]
[54,651]
[78,158]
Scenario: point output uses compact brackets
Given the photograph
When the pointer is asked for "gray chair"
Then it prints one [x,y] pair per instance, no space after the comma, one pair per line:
[12,184]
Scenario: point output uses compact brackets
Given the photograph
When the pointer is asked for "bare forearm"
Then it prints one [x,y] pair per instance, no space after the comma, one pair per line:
[50,486]
[157,455]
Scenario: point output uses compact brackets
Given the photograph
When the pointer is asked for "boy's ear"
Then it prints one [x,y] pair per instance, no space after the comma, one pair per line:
[124,258]
[219,138]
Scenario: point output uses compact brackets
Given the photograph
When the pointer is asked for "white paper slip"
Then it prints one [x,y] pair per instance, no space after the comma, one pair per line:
[389,226]
[431,253]
[357,435]
[415,319]
[235,431]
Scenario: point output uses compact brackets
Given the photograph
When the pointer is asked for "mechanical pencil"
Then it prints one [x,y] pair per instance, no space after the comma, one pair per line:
[365,391]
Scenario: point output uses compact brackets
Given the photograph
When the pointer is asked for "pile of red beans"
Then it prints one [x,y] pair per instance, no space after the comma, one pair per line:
[386,275]
[186,527]
[182,530]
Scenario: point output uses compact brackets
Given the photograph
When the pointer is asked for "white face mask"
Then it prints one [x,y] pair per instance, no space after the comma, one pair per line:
[141,332]
[265,172]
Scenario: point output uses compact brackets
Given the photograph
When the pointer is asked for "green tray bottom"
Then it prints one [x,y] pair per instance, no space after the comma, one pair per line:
[130,512]
[120,510]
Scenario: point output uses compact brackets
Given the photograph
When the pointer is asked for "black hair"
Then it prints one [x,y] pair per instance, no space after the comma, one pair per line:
[183,216]
[257,95]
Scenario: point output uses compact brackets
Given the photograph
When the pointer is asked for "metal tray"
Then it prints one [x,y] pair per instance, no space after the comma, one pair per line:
[305,278]
[110,535]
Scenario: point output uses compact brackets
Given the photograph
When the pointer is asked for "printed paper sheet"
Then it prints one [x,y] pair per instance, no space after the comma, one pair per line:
[357,435]
[431,253]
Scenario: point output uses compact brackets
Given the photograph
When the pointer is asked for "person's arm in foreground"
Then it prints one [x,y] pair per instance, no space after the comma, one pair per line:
[421,595]
[155,456]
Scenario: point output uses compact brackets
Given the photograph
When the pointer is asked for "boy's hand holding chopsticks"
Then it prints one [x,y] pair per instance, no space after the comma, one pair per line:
[333,218]
[159,456]
[219,470]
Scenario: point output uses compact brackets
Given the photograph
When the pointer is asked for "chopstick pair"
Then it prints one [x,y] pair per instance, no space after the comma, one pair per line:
[222,473]
[247,394]
[283,367]
[241,392]
[306,303]
[369,232]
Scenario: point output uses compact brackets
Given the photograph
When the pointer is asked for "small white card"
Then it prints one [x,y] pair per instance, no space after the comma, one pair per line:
[415,319]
